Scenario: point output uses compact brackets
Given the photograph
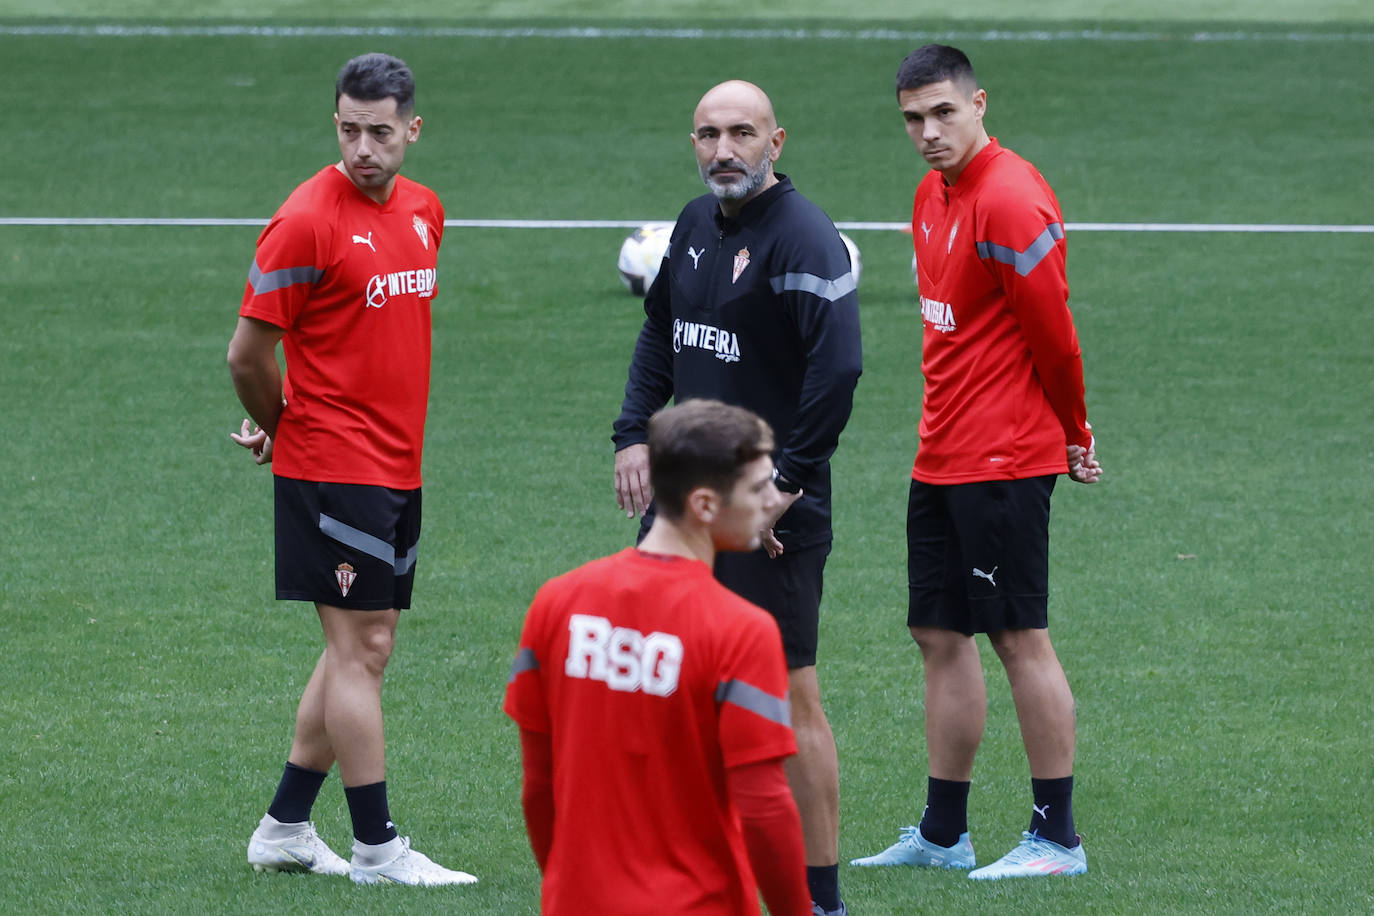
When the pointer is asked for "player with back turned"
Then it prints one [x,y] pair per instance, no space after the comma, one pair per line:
[652,701]
[342,279]
[1002,415]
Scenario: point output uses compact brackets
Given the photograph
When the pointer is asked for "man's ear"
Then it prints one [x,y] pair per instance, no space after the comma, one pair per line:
[775,141]
[703,504]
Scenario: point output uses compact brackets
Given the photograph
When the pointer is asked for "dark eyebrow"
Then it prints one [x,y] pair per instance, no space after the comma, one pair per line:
[931,109]
[743,125]
[372,128]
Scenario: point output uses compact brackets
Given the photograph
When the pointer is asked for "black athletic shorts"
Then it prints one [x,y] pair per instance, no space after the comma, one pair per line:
[346,545]
[788,587]
[978,555]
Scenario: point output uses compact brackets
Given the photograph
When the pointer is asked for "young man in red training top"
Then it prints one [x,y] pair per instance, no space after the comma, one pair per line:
[343,278]
[652,701]
[1002,416]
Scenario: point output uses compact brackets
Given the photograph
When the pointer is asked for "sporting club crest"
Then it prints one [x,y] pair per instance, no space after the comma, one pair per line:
[421,230]
[344,575]
[741,262]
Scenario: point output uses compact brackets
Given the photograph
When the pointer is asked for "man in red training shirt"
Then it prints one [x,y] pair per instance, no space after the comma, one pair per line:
[343,278]
[1002,416]
[652,701]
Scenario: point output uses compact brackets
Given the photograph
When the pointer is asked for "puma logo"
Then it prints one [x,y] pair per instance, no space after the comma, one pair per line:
[1041,811]
[986,575]
[926,229]
[359,240]
[696,255]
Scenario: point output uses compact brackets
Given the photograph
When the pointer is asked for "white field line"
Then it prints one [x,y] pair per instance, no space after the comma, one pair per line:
[636,223]
[134,30]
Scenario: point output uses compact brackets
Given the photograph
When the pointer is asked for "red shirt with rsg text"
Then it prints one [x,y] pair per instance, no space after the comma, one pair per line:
[1000,355]
[350,281]
[652,679]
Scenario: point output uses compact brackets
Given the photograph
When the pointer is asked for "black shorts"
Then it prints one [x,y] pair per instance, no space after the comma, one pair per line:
[978,555]
[788,587]
[346,545]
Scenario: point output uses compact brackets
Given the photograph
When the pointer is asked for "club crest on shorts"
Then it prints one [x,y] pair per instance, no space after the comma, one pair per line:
[421,230]
[344,575]
[741,262]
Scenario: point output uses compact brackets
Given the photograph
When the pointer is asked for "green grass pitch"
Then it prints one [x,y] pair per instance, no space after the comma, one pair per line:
[1211,599]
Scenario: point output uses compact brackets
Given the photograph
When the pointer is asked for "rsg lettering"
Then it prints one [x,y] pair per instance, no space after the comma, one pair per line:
[621,657]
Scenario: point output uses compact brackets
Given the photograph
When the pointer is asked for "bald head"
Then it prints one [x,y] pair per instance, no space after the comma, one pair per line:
[738,98]
[737,139]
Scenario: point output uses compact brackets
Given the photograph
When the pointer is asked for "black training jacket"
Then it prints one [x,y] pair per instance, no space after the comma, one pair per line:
[759,311]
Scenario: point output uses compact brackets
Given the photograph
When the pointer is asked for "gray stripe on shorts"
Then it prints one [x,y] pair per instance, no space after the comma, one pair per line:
[524,661]
[360,540]
[761,702]
[406,563]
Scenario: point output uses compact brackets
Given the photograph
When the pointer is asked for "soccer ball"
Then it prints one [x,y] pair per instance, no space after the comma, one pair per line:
[855,262]
[641,254]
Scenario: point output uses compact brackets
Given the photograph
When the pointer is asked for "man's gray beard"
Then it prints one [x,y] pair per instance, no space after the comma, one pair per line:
[742,189]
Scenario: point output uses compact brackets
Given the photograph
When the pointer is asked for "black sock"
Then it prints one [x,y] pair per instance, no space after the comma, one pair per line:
[1052,817]
[824,882]
[371,816]
[946,814]
[296,794]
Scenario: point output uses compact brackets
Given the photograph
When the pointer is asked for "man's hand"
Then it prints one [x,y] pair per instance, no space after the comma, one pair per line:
[632,489]
[769,539]
[1083,464]
[255,440]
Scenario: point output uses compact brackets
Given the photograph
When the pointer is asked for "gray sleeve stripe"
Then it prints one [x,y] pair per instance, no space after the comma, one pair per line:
[761,702]
[524,661]
[274,280]
[358,540]
[829,290]
[1024,261]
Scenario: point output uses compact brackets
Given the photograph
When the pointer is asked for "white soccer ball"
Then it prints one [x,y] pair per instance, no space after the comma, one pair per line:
[855,262]
[641,254]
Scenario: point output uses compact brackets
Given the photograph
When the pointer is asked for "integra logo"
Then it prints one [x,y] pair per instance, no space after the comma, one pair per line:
[725,344]
[401,283]
[940,315]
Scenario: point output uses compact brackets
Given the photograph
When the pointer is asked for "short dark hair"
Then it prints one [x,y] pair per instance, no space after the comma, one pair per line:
[372,77]
[702,443]
[935,64]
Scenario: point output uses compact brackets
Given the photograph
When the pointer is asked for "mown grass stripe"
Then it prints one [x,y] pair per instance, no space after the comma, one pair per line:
[121,30]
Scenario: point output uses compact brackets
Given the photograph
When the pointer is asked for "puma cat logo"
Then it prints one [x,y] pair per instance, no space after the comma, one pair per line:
[986,575]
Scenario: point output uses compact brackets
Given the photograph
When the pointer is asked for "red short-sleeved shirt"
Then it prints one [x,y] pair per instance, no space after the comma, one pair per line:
[350,281]
[1003,371]
[652,679]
